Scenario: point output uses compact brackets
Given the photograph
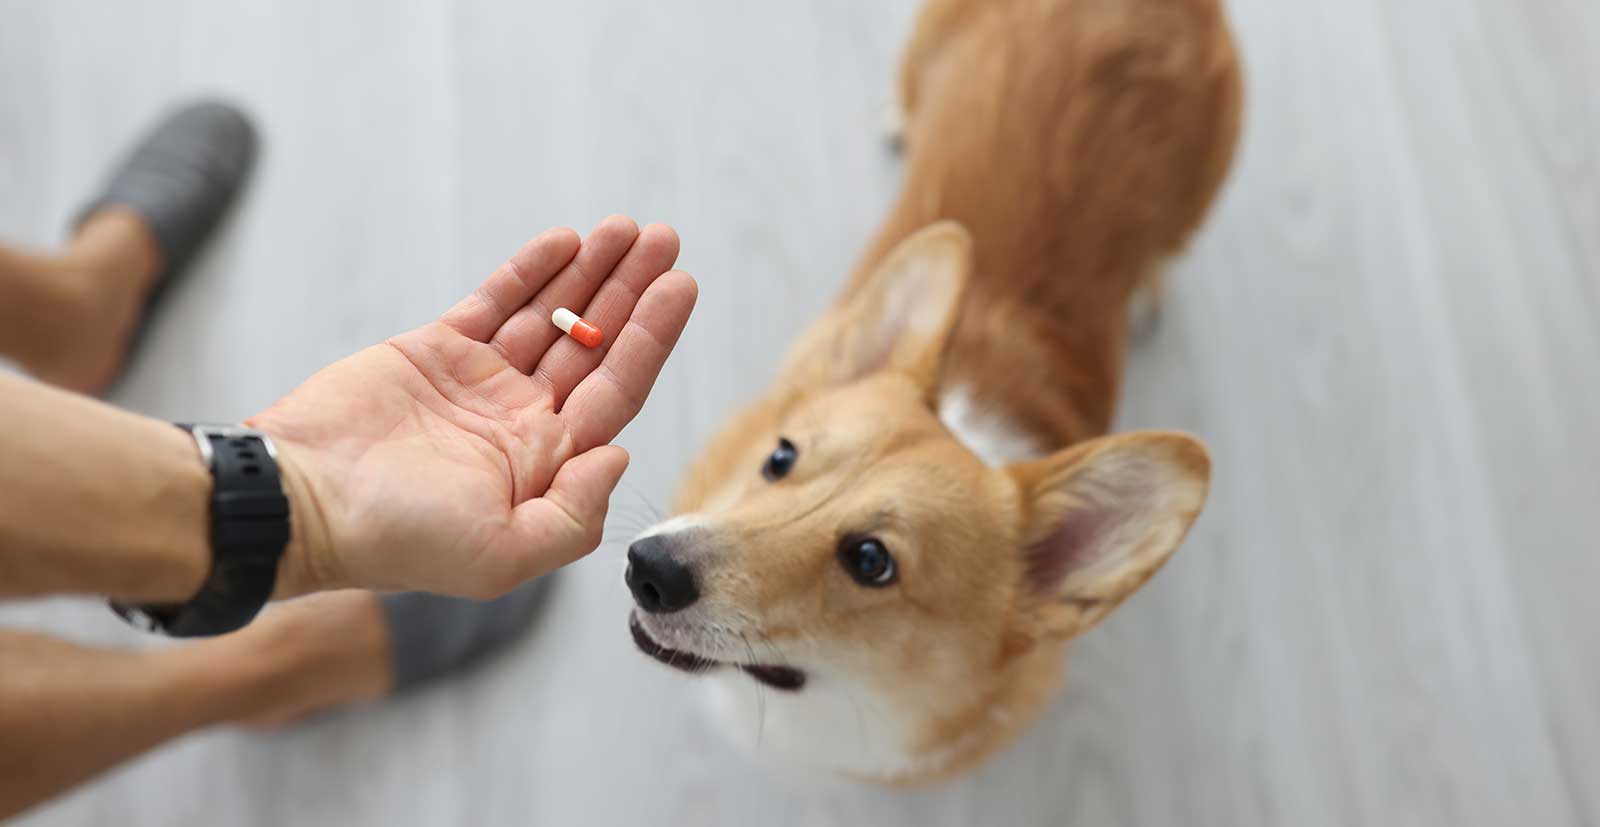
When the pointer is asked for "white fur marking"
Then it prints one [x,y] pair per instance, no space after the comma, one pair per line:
[672,526]
[828,725]
[985,431]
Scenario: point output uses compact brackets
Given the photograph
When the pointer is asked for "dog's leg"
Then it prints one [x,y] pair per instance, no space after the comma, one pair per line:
[1145,305]
[892,120]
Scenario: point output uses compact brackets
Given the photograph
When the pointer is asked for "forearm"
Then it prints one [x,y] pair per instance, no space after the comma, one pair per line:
[96,500]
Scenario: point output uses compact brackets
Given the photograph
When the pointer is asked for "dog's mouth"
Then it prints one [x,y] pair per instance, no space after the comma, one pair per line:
[778,677]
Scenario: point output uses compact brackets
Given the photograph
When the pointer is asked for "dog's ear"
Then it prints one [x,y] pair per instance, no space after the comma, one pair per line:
[897,318]
[1101,517]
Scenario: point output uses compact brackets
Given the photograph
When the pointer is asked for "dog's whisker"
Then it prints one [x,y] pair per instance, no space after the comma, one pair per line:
[644,501]
[631,523]
[761,695]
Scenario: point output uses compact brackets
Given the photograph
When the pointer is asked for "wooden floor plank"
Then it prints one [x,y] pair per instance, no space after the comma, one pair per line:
[1389,336]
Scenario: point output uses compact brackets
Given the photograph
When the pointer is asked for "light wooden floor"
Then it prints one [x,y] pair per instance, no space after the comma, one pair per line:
[1389,335]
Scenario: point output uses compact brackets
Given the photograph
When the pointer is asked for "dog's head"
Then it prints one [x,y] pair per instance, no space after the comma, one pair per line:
[890,605]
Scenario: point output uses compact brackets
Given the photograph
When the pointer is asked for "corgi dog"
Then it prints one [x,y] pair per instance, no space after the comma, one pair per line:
[875,566]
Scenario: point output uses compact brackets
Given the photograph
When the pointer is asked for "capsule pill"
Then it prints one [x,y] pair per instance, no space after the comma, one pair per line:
[577,327]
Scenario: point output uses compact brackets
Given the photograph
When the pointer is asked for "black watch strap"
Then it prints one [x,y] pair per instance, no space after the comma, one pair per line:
[249,532]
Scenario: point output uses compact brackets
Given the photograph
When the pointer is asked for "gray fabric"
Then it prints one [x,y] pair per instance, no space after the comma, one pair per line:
[433,636]
[182,177]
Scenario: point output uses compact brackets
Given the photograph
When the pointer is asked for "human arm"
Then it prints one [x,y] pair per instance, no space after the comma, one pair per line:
[97,500]
[463,457]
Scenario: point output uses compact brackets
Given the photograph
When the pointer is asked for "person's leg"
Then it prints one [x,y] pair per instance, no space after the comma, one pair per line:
[70,712]
[65,317]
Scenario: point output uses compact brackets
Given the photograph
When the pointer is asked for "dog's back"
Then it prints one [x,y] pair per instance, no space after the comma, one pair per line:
[1081,142]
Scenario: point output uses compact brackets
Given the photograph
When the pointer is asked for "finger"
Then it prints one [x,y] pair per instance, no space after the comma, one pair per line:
[525,337]
[567,522]
[612,394]
[488,307]
[567,362]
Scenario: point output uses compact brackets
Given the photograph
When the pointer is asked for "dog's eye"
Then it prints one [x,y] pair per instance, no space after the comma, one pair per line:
[780,460]
[867,561]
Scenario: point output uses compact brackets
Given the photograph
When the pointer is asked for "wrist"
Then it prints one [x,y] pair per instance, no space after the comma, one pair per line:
[307,564]
[179,547]
[249,530]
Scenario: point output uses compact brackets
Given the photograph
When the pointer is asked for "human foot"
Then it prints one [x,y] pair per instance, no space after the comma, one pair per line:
[332,649]
[85,302]
[158,209]
[433,636]
[182,177]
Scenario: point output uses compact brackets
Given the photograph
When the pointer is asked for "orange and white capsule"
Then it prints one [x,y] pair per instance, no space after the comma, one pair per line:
[575,326]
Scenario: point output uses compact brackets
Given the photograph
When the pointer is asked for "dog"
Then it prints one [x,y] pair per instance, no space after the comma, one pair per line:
[876,565]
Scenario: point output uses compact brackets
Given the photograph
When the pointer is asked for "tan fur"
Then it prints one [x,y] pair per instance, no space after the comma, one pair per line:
[1080,142]
[1058,151]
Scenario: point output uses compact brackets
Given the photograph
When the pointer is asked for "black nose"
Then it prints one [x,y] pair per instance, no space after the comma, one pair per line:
[659,583]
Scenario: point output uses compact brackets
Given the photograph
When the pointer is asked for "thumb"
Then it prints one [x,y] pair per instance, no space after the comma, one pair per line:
[566,523]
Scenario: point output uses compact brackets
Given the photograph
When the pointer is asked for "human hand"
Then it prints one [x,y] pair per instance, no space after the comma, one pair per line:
[471,454]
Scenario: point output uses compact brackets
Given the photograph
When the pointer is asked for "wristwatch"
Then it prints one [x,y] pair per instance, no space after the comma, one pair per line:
[249,532]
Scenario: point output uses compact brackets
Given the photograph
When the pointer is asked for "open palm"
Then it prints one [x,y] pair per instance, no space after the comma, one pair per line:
[472,453]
